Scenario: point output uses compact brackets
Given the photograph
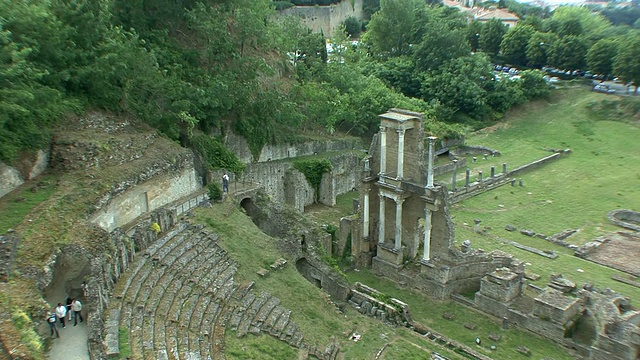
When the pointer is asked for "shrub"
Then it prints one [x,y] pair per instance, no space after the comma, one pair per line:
[352,26]
[214,191]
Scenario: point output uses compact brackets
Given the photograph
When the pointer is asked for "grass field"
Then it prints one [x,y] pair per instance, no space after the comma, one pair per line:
[575,192]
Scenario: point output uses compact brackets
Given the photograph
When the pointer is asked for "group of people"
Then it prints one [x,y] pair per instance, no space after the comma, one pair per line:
[73,309]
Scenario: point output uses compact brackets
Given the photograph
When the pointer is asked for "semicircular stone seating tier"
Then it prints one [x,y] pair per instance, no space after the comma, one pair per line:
[179,297]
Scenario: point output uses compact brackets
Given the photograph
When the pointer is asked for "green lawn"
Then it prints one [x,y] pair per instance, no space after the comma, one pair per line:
[575,192]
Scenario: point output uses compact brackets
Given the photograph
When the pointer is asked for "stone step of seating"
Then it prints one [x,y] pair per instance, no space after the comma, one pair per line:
[180,257]
[180,297]
[260,318]
[272,318]
[280,324]
[187,342]
[153,303]
[141,271]
[249,314]
[127,277]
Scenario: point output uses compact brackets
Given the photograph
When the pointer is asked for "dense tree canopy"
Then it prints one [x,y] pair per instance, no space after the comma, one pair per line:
[209,67]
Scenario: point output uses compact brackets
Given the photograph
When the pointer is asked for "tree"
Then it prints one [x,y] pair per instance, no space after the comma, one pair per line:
[574,21]
[568,53]
[514,44]
[458,84]
[473,35]
[393,29]
[440,45]
[626,64]
[601,55]
[491,37]
[352,26]
[538,48]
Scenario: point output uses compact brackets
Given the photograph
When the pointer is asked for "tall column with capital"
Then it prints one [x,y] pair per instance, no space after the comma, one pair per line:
[398,237]
[383,150]
[400,153]
[381,220]
[431,141]
[427,235]
[365,214]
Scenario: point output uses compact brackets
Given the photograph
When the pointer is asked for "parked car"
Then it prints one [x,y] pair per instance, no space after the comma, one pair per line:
[605,89]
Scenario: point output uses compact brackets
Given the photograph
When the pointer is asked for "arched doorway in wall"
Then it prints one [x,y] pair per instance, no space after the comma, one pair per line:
[249,207]
[309,272]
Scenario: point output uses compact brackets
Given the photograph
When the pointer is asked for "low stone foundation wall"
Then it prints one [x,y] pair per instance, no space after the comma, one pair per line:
[627,219]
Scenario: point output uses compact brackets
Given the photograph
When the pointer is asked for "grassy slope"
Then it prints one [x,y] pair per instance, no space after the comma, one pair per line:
[311,308]
[320,321]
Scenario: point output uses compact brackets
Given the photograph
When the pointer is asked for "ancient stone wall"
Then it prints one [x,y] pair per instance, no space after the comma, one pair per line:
[286,185]
[326,19]
[26,168]
[147,196]
[239,146]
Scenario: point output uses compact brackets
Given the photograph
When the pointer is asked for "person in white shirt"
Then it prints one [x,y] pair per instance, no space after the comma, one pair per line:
[61,312]
[76,307]
[225,182]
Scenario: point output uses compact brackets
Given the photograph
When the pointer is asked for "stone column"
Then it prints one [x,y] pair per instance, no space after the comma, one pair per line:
[504,168]
[400,153]
[365,214]
[455,168]
[381,220]
[467,177]
[383,150]
[431,142]
[427,235]
[398,237]
[479,176]
[493,171]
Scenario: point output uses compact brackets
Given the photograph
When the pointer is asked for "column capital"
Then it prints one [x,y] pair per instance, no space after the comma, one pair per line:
[401,131]
[432,139]
[399,200]
[383,128]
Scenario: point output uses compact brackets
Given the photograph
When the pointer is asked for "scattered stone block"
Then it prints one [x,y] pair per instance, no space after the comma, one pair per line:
[510,227]
[492,347]
[494,337]
[279,264]
[470,326]
[527,232]
[531,275]
[561,284]
[524,350]
[420,329]
[263,272]
[448,316]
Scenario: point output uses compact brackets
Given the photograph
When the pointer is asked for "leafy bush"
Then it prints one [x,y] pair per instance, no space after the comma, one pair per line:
[214,191]
[352,26]
[313,170]
[215,155]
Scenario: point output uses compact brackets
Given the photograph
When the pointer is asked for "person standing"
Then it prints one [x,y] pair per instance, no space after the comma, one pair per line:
[61,312]
[69,301]
[225,182]
[51,320]
[76,307]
